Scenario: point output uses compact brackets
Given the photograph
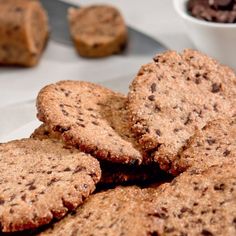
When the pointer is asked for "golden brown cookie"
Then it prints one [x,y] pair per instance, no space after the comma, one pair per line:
[176,95]
[41,181]
[91,118]
[97,30]
[23,32]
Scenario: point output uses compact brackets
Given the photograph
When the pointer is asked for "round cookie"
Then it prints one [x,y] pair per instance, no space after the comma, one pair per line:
[173,97]
[41,181]
[97,30]
[196,204]
[113,173]
[91,118]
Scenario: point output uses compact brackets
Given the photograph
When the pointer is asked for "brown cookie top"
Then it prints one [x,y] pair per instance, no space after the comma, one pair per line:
[90,117]
[117,211]
[176,95]
[196,204]
[96,25]
[113,173]
[42,180]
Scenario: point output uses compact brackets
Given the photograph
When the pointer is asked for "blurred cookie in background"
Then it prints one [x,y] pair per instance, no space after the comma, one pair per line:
[97,30]
[23,32]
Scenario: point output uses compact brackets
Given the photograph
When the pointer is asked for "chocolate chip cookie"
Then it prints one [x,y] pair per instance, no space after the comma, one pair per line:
[97,30]
[41,181]
[173,97]
[23,32]
[91,118]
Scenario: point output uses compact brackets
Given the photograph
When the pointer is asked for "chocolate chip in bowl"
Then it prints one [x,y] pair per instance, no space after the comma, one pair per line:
[221,11]
[211,25]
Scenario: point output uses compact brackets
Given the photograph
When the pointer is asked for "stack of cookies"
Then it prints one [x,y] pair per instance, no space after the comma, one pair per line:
[162,158]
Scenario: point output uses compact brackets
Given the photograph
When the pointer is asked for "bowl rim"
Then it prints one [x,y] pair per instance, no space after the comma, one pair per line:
[179,6]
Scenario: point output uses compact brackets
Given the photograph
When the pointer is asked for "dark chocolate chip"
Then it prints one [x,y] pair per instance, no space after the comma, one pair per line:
[53,180]
[219,187]
[19,9]
[221,4]
[79,169]
[67,93]
[188,119]
[158,132]
[226,152]
[65,113]
[151,98]
[32,187]
[234,222]
[198,81]
[95,45]
[216,88]
[161,215]
[153,87]
[215,107]
[11,211]
[169,229]
[81,125]
[2,201]
[157,108]
[61,129]
[95,123]
[206,232]
[156,59]
[23,197]
[211,141]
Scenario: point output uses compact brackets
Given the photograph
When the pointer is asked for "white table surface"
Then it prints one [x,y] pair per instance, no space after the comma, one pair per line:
[18,87]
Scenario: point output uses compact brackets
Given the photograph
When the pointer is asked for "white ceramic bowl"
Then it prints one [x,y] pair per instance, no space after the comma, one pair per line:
[215,39]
